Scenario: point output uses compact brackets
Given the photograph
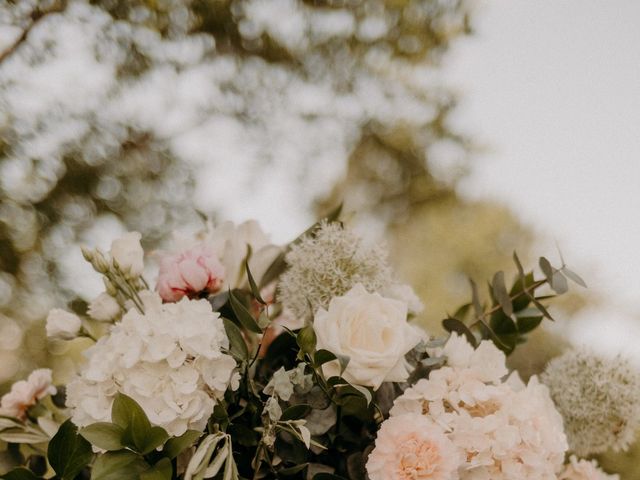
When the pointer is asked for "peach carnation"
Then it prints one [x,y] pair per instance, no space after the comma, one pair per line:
[410,447]
[26,393]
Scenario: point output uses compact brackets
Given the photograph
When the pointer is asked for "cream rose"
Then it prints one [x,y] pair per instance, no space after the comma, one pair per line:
[372,331]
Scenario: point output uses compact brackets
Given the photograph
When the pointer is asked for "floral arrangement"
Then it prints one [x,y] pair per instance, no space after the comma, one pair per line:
[248,360]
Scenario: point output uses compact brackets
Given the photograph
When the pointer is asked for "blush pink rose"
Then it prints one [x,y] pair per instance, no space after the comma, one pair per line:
[189,272]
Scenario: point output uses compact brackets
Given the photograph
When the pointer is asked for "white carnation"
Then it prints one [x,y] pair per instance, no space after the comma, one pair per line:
[104,308]
[168,359]
[26,393]
[63,325]
[507,429]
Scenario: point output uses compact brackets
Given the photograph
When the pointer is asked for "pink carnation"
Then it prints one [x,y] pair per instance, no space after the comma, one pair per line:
[26,393]
[189,272]
[411,447]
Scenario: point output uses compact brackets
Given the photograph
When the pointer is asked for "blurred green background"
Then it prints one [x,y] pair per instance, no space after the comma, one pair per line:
[135,115]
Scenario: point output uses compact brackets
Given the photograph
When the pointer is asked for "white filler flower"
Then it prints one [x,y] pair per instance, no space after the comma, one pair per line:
[598,399]
[584,470]
[372,331]
[63,325]
[128,253]
[104,308]
[169,360]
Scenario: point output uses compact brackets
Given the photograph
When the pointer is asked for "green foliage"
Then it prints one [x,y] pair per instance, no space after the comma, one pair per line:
[68,452]
[513,312]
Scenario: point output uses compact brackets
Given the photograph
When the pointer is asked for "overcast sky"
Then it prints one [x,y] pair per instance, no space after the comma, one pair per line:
[553,89]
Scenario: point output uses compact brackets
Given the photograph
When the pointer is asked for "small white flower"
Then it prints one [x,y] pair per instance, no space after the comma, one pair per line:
[62,324]
[26,393]
[128,253]
[584,470]
[372,331]
[406,294]
[598,399]
[104,308]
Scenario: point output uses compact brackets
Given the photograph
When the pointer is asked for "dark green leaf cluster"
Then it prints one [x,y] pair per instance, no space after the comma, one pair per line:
[512,312]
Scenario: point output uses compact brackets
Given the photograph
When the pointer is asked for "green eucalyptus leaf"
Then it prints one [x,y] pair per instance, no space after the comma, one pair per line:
[546,268]
[21,435]
[243,315]
[68,453]
[521,301]
[104,435]
[292,470]
[527,324]
[559,283]
[274,270]
[501,294]
[455,325]
[518,263]
[475,299]
[574,277]
[177,445]
[122,465]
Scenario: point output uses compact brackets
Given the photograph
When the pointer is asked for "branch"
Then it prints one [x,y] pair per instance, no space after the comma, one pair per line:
[36,17]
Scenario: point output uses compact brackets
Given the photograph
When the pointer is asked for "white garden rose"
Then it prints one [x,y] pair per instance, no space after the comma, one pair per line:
[128,253]
[63,325]
[372,331]
[103,308]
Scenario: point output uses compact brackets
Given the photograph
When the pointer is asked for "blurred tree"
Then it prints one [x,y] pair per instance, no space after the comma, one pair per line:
[108,106]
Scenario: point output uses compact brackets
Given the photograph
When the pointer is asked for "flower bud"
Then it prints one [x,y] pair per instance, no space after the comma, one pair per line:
[62,324]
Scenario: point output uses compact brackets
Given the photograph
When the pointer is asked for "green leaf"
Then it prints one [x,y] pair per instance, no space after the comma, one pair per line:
[455,325]
[125,410]
[542,309]
[153,439]
[521,301]
[516,260]
[546,268]
[275,269]
[68,453]
[296,412]
[323,356]
[107,436]
[237,345]
[20,473]
[255,291]
[527,324]
[501,294]
[559,283]
[292,470]
[243,315]
[573,276]
[477,308]
[177,445]
[122,465]
[160,471]
[20,435]
[306,339]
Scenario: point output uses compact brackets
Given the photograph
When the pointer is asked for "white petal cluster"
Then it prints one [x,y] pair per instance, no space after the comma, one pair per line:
[170,360]
[504,429]
[584,470]
[63,325]
[328,264]
[598,399]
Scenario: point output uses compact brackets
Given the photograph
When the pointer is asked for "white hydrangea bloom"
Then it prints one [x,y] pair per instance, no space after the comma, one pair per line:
[507,429]
[584,470]
[598,399]
[328,264]
[169,360]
